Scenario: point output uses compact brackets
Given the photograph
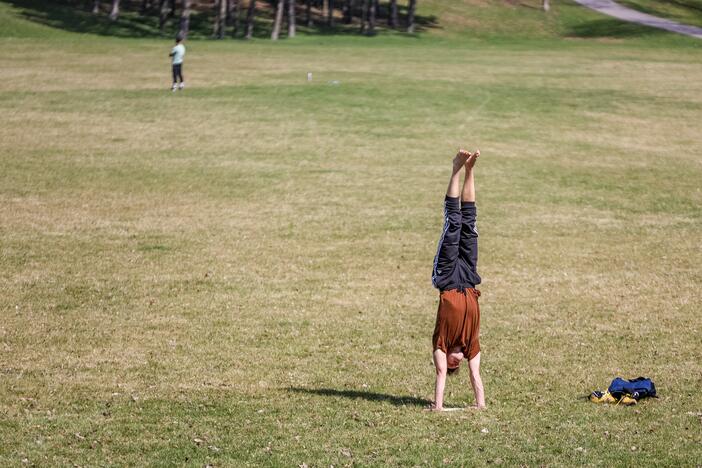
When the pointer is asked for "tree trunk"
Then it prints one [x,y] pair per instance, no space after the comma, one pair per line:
[392,17]
[291,18]
[364,15]
[220,22]
[371,17]
[308,13]
[547,5]
[250,14]
[114,13]
[96,7]
[348,11]
[233,16]
[215,23]
[278,20]
[330,13]
[163,14]
[325,10]
[185,19]
[411,7]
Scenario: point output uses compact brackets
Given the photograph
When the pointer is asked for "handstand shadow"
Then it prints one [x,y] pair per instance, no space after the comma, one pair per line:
[363,395]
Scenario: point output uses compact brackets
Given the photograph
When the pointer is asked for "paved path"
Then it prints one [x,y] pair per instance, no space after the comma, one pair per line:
[611,8]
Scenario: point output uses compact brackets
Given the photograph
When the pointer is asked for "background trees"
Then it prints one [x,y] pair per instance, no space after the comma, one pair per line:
[291,18]
[220,19]
[114,12]
[260,17]
[250,14]
[278,20]
[185,18]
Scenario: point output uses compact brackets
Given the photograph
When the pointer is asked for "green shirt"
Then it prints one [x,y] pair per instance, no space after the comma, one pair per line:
[178,53]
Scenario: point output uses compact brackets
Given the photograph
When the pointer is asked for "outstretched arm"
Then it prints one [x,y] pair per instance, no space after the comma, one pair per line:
[441,369]
[476,382]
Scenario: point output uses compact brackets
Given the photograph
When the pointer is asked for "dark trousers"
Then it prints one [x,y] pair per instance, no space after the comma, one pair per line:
[178,73]
[455,264]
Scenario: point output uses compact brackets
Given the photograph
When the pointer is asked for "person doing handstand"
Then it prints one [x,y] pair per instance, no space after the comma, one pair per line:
[457,329]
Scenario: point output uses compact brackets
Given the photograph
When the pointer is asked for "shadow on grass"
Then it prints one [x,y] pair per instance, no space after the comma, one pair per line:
[362,395]
[691,4]
[75,16]
[687,5]
[72,17]
[612,28]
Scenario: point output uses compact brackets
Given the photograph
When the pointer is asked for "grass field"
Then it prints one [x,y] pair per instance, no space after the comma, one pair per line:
[239,274]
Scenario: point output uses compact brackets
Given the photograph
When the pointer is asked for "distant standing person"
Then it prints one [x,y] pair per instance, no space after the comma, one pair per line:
[177,54]
[457,330]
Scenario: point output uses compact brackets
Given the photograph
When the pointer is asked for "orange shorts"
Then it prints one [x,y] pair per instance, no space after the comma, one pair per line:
[458,322]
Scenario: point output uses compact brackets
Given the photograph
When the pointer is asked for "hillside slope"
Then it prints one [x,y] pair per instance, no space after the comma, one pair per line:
[493,20]
[682,11]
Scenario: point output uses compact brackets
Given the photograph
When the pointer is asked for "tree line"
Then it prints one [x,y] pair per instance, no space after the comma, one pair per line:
[237,18]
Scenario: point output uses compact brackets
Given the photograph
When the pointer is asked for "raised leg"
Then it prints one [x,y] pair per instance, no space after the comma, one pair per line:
[468,192]
[459,162]
[468,247]
[448,249]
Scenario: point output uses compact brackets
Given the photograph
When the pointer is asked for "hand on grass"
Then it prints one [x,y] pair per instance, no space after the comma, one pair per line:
[432,407]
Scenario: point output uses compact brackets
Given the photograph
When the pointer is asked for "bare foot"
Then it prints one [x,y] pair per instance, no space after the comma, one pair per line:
[470,162]
[460,160]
